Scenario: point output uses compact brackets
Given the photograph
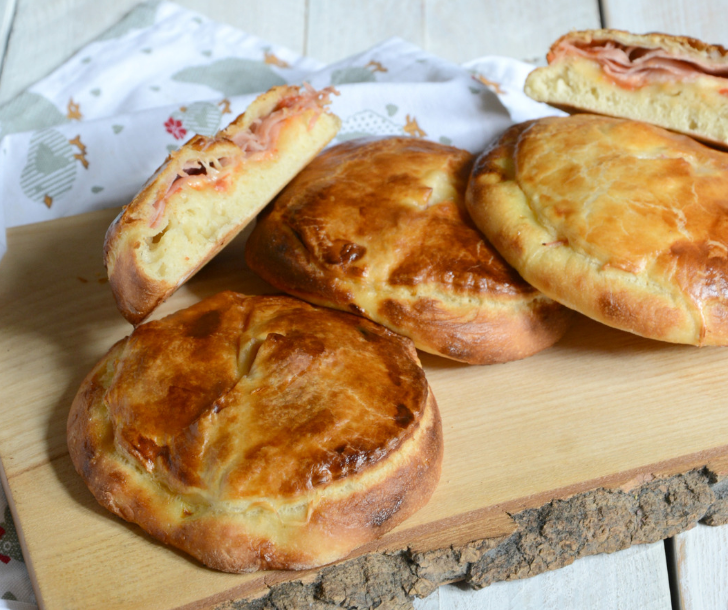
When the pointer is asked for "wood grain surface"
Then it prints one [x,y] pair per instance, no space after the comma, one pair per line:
[701,559]
[600,410]
[37,35]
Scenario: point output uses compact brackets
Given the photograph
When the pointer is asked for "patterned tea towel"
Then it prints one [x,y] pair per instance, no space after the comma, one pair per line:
[89,135]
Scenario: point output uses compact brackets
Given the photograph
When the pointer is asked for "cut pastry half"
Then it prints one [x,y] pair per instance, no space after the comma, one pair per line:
[674,82]
[206,192]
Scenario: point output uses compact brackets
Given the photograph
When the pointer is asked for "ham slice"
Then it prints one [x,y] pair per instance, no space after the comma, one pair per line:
[262,134]
[632,67]
[256,143]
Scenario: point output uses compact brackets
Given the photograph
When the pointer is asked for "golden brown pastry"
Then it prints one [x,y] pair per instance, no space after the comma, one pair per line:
[379,228]
[672,81]
[206,192]
[259,432]
[620,220]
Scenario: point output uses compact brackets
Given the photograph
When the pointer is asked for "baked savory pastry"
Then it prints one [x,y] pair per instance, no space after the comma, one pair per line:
[259,432]
[379,228]
[623,221]
[206,192]
[675,82]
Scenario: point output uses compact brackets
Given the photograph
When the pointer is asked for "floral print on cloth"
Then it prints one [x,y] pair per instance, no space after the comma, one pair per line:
[174,126]
[50,169]
[14,579]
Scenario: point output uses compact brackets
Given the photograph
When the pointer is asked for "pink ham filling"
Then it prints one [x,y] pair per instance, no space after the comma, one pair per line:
[632,67]
[263,132]
[257,142]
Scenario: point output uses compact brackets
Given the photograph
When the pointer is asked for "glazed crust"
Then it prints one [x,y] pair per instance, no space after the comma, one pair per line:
[680,97]
[144,266]
[622,221]
[379,228]
[679,45]
[259,432]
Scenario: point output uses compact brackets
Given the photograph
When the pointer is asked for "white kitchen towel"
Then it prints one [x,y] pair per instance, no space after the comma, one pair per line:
[89,135]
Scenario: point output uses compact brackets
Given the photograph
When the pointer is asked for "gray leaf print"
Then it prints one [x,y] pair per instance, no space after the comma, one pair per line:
[50,169]
[352,75]
[232,76]
[27,112]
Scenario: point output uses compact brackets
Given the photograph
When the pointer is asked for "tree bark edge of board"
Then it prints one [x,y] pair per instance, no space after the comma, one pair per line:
[547,538]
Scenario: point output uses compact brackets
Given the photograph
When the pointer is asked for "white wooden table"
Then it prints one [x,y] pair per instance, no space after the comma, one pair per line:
[690,571]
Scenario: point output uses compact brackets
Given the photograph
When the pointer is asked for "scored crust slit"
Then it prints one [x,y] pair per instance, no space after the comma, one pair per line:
[206,192]
[259,432]
[620,220]
[379,228]
[674,82]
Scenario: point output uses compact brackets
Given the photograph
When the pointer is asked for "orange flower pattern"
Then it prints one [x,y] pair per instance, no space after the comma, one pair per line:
[489,83]
[272,60]
[412,128]
[73,111]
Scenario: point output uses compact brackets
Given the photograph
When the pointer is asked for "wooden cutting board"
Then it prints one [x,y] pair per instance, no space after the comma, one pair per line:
[602,410]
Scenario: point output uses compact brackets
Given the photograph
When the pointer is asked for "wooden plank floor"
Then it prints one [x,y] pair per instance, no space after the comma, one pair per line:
[38,35]
[633,579]
[701,557]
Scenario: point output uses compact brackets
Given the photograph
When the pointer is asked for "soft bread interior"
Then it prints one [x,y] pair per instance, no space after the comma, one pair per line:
[200,220]
[697,108]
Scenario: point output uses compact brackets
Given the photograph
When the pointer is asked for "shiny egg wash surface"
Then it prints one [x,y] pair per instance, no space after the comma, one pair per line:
[379,227]
[391,212]
[631,196]
[262,396]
